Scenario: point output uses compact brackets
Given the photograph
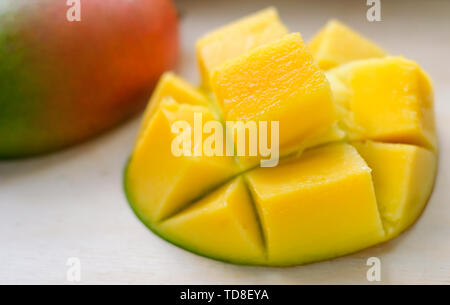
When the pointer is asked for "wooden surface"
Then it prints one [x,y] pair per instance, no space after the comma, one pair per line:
[71,204]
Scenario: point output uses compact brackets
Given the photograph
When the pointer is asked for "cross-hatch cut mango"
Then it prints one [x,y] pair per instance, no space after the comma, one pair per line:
[357,145]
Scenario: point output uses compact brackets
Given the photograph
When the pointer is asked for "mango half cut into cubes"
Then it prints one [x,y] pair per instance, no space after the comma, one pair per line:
[159,182]
[357,147]
[236,39]
[277,82]
[318,206]
[389,100]
[337,44]
[221,225]
[403,177]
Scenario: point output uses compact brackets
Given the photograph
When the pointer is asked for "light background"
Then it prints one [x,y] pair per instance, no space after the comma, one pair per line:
[71,203]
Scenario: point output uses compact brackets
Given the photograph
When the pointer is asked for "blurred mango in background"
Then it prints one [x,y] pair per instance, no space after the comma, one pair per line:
[65,79]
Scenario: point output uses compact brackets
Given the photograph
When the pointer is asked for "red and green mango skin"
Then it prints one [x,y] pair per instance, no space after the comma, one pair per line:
[62,82]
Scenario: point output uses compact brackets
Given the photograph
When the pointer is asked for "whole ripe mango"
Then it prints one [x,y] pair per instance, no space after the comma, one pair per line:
[62,82]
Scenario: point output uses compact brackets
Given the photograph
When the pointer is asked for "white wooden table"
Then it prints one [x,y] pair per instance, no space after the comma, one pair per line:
[71,203]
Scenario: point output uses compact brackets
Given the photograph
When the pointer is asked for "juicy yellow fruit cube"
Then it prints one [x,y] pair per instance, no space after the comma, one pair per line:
[390,100]
[318,206]
[170,85]
[160,182]
[236,39]
[403,177]
[277,82]
[337,44]
[221,225]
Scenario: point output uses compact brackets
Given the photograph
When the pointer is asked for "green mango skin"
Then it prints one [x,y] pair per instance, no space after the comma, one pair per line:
[62,82]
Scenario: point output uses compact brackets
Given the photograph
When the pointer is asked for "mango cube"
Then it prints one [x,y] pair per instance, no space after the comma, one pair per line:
[170,85]
[277,82]
[221,225]
[160,182]
[337,44]
[318,206]
[391,100]
[403,177]
[236,39]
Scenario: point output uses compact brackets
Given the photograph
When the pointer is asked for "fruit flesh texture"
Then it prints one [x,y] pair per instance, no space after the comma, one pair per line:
[170,85]
[55,87]
[388,100]
[277,82]
[341,96]
[318,206]
[221,225]
[337,44]
[157,179]
[403,177]
[338,166]
[333,134]
[235,39]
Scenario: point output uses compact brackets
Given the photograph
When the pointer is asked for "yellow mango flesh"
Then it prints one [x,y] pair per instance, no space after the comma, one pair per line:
[403,177]
[318,206]
[221,225]
[237,38]
[159,182]
[389,100]
[333,134]
[341,95]
[322,200]
[277,82]
[170,85]
[337,44]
